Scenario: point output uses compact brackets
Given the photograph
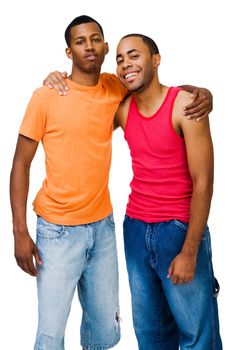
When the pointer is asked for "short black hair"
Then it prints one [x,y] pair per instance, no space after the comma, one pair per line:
[77,21]
[152,46]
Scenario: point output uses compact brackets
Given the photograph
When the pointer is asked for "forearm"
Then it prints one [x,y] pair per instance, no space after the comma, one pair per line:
[19,187]
[199,212]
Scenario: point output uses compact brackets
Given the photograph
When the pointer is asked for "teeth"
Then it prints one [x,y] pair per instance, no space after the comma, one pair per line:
[130,75]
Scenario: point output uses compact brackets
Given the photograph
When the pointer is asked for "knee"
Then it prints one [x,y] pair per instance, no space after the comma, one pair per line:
[44,342]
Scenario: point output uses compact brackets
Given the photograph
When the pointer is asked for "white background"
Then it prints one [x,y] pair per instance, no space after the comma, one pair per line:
[196,40]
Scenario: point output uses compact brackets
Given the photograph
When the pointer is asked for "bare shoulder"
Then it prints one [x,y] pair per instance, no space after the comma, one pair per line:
[182,125]
[183,99]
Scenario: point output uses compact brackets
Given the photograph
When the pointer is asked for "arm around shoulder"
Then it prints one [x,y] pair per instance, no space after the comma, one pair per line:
[122,113]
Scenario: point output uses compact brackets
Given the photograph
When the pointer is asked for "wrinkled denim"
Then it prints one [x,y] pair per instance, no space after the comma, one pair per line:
[167,315]
[82,257]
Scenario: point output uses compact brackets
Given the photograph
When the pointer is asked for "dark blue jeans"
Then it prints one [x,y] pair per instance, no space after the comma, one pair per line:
[166,315]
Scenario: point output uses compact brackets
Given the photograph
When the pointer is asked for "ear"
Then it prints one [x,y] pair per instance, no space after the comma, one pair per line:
[106,47]
[69,53]
[156,60]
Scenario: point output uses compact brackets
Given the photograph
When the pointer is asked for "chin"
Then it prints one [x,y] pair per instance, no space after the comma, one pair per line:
[93,69]
[136,88]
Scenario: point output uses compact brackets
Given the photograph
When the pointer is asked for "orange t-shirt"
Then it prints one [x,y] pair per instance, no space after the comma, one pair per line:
[76,132]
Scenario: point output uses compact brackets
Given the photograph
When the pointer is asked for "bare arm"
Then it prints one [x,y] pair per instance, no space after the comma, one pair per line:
[202,103]
[198,109]
[122,114]
[200,160]
[25,248]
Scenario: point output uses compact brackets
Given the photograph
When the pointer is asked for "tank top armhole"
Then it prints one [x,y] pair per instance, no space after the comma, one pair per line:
[131,107]
[175,92]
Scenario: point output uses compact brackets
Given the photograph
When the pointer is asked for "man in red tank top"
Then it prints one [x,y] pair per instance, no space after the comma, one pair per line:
[167,240]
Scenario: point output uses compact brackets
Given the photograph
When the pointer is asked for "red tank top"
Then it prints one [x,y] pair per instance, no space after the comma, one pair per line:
[161,187]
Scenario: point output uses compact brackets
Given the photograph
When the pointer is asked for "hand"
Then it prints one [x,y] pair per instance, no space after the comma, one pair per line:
[25,250]
[201,106]
[56,80]
[182,268]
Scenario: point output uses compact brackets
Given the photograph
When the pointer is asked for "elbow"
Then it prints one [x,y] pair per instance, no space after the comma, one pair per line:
[204,186]
[19,170]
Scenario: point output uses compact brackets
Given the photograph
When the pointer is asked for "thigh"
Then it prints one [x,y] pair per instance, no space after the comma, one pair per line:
[62,251]
[154,324]
[193,304]
[98,288]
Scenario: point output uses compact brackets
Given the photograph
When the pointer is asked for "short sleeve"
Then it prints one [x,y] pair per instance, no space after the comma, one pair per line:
[34,121]
[115,85]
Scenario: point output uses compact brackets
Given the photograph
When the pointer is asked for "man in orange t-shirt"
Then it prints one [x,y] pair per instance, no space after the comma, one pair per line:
[75,245]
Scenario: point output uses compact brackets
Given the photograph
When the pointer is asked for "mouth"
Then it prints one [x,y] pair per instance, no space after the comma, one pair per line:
[129,77]
[91,57]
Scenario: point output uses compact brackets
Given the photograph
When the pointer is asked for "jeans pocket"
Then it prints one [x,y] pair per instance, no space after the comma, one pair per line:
[110,220]
[180,224]
[47,230]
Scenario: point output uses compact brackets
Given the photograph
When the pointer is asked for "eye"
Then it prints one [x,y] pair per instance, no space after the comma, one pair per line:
[79,42]
[135,56]
[119,61]
[96,40]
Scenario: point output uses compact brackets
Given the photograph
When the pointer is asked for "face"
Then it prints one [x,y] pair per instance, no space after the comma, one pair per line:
[87,47]
[136,67]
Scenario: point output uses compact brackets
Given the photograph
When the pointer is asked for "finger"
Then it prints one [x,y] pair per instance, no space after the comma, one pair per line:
[59,77]
[170,271]
[196,116]
[57,81]
[174,279]
[188,279]
[195,93]
[197,112]
[24,266]
[181,280]
[196,107]
[47,82]
[200,102]
[31,267]
[58,84]
[60,88]
[198,119]
[37,257]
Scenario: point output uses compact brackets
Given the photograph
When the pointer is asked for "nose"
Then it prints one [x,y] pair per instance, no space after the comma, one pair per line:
[89,45]
[126,64]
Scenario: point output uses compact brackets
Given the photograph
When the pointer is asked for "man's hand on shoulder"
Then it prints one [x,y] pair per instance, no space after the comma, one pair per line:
[56,80]
[201,105]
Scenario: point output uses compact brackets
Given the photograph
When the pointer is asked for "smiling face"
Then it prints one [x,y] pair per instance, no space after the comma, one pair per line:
[87,47]
[136,66]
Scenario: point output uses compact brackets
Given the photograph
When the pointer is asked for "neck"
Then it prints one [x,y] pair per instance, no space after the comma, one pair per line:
[149,99]
[84,78]
[152,92]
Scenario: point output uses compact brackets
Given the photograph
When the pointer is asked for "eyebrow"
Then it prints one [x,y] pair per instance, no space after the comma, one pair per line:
[83,36]
[128,53]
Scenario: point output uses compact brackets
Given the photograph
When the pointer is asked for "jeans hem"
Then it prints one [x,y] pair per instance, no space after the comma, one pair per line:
[99,347]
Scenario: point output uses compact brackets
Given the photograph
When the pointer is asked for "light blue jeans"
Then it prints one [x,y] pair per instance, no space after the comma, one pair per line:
[82,257]
[168,315]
